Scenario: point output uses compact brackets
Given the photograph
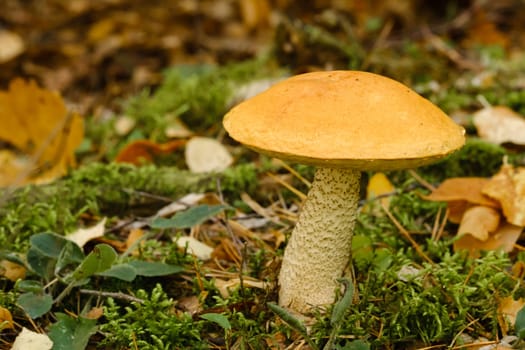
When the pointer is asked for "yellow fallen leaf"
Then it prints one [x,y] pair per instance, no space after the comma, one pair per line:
[195,247]
[508,188]
[379,185]
[507,310]
[37,124]
[133,236]
[479,222]
[6,319]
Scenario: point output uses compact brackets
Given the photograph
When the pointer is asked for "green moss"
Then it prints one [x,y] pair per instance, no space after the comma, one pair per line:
[105,189]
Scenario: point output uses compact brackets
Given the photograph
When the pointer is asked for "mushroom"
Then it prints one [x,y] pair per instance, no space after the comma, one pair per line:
[342,122]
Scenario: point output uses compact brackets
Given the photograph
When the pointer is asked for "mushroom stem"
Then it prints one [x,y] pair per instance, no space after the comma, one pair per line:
[320,246]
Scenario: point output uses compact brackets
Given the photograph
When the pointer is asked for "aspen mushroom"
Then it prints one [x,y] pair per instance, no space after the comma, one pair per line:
[342,122]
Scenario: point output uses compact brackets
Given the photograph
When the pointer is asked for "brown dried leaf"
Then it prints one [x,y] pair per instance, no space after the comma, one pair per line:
[95,313]
[503,239]
[12,271]
[463,189]
[500,124]
[134,235]
[144,151]
[508,188]
[479,222]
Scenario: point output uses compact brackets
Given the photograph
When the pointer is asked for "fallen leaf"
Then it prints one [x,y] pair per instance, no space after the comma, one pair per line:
[124,124]
[499,125]
[195,247]
[144,151]
[95,313]
[176,128]
[479,222]
[29,340]
[463,189]
[37,124]
[206,155]
[379,185]
[134,235]
[226,286]
[6,319]
[508,188]
[507,311]
[12,271]
[11,45]
[83,235]
[502,239]
[183,203]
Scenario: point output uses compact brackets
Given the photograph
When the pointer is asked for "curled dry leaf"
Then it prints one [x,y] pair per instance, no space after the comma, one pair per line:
[499,125]
[144,151]
[502,239]
[206,155]
[479,222]
[508,188]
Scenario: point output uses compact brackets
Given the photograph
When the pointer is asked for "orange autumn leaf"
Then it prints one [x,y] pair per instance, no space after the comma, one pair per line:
[6,319]
[508,188]
[141,151]
[479,222]
[467,189]
[36,123]
[502,239]
[133,236]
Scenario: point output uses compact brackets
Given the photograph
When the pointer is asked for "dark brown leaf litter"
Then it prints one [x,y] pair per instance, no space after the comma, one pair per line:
[95,52]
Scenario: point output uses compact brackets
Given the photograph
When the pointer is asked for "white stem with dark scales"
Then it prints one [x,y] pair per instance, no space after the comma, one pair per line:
[320,246]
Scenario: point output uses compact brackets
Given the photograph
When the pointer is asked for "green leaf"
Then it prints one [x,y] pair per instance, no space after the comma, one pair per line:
[519,326]
[71,254]
[219,319]
[287,317]
[342,304]
[35,304]
[100,259]
[151,269]
[71,333]
[356,345]
[125,272]
[48,244]
[40,264]
[189,218]
[29,286]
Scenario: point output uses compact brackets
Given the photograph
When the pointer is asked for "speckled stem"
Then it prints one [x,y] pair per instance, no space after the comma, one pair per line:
[320,246]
